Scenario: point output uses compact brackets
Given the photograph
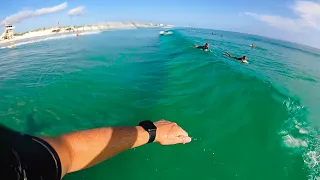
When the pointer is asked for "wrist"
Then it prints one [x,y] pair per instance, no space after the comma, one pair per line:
[143,135]
[150,128]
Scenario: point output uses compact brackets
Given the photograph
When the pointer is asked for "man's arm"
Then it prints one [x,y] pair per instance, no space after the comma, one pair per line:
[227,54]
[83,149]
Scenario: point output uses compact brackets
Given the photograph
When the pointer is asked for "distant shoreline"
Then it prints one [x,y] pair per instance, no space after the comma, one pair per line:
[78,30]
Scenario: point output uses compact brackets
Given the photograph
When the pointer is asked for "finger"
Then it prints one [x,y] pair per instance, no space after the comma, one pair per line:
[164,121]
[161,122]
[180,132]
[184,139]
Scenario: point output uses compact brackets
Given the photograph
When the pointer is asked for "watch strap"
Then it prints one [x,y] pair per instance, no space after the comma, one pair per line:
[152,135]
[148,126]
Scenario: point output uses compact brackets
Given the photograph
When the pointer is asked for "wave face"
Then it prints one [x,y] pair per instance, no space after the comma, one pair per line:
[247,121]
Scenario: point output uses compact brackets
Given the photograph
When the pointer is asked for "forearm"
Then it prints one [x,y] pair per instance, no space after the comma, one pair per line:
[91,147]
[83,149]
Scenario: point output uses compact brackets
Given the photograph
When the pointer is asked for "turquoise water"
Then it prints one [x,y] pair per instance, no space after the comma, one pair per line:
[247,121]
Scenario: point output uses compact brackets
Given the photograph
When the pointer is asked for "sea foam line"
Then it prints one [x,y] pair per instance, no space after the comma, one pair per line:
[53,38]
[297,134]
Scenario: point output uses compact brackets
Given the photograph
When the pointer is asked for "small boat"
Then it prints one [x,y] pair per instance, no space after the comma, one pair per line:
[165,32]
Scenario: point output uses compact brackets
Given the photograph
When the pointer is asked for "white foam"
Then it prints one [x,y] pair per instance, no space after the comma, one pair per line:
[44,39]
[54,38]
[283,132]
[312,159]
[300,129]
[303,131]
[91,32]
[294,142]
[306,138]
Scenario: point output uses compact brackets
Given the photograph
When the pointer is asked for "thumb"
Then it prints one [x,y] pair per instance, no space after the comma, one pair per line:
[184,139]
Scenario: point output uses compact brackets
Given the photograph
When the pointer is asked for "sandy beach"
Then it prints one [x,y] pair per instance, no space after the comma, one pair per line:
[78,30]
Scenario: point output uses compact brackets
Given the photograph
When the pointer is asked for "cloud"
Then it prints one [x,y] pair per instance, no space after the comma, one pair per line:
[76,11]
[53,9]
[26,14]
[308,11]
[308,16]
[277,21]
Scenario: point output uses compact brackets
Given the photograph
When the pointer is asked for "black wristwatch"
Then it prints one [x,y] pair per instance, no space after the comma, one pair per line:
[150,128]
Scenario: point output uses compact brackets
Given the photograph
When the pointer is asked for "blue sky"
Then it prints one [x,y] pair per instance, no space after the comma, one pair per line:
[292,20]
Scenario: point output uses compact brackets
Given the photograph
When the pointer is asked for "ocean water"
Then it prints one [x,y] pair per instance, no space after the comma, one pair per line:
[248,121]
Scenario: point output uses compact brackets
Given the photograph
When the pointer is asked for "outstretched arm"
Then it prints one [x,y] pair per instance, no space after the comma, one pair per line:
[227,54]
[83,149]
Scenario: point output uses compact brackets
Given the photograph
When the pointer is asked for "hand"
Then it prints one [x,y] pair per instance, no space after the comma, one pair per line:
[169,133]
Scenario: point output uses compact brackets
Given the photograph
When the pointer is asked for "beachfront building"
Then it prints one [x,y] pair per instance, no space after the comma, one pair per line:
[8,32]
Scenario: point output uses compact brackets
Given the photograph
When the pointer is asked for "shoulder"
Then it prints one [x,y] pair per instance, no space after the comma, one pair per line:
[22,150]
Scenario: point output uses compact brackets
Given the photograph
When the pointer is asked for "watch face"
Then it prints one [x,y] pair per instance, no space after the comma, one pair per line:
[148,125]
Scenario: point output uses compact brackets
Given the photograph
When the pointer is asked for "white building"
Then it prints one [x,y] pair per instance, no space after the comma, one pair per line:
[8,32]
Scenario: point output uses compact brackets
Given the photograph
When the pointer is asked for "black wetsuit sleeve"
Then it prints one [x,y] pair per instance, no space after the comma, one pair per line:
[24,157]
